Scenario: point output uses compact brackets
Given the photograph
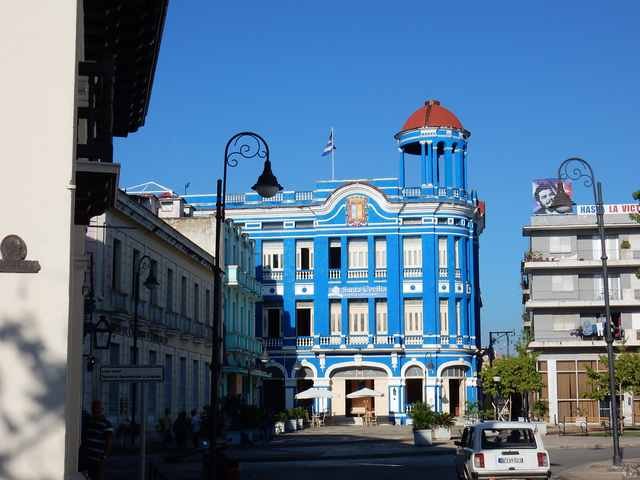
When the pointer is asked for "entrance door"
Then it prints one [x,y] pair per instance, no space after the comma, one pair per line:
[413,389]
[454,397]
[636,411]
[358,403]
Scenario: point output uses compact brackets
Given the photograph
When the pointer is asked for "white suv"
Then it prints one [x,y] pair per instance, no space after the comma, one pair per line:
[501,450]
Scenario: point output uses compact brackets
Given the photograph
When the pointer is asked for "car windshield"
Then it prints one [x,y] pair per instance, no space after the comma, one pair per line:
[493,438]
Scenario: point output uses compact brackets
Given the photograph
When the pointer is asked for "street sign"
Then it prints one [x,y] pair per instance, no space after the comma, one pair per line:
[132,373]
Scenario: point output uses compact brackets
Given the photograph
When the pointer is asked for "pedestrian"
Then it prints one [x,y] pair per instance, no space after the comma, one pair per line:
[181,430]
[97,437]
[165,424]
[196,426]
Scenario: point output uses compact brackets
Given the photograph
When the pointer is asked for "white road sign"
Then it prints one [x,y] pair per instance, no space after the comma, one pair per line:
[133,373]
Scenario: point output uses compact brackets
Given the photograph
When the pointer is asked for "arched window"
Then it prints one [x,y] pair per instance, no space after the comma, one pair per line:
[414,372]
[305,372]
[456,371]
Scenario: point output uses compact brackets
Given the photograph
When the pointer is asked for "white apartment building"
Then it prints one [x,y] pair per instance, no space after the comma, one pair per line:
[563,302]
[174,319]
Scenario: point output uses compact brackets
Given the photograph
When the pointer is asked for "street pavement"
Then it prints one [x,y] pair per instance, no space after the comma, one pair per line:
[380,452]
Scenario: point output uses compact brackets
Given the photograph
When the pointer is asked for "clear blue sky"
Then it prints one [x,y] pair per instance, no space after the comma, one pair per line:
[534,82]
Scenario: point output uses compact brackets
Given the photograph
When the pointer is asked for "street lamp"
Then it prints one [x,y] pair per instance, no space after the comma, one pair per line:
[578,169]
[243,145]
[150,283]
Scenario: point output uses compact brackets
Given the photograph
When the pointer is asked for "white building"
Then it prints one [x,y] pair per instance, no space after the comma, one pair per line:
[174,319]
[74,74]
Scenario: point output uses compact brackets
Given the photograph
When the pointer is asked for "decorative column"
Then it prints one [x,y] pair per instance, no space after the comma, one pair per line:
[430,280]
[431,388]
[322,404]
[463,163]
[429,162]
[290,392]
[448,166]
[402,179]
[458,156]
[423,163]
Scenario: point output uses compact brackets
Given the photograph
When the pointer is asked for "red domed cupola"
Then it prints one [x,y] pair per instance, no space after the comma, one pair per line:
[432,114]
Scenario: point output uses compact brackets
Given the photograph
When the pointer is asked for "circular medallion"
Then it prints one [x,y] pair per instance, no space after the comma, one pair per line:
[13,248]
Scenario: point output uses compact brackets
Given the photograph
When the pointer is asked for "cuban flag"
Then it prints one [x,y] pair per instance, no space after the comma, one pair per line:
[330,147]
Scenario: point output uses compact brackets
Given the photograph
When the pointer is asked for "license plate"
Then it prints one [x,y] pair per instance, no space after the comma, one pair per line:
[510,460]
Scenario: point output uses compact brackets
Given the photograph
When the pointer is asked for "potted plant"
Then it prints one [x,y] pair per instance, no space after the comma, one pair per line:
[423,419]
[300,417]
[279,420]
[442,423]
[291,425]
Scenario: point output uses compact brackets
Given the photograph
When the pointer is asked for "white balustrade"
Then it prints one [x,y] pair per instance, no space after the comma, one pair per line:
[304,195]
[334,274]
[275,275]
[413,339]
[384,340]
[272,342]
[304,275]
[443,272]
[412,272]
[358,339]
[381,273]
[304,341]
[357,274]
[458,273]
[444,339]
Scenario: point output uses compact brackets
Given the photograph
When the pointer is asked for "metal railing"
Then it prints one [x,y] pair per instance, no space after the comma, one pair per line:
[586,295]
[582,255]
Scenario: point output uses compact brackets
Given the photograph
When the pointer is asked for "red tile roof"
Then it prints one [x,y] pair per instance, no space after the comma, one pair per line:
[432,115]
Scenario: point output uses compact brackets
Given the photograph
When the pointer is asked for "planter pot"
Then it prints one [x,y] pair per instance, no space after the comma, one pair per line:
[541,427]
[278,428]
[422,438]
[290,425]
[442,434]
[300,422]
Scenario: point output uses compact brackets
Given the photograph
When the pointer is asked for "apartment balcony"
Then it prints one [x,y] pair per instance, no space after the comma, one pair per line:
[272,275]
[238,278]
[380,273]
[358,274]
[582,298]
[357,340]
[334,274]
[384,340]
[445,339]
[412,272]
[334,340]
[580,339]
[243,343]
[304,274]
[588,259]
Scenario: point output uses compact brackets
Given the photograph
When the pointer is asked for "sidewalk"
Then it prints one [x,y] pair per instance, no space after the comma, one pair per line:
[578,441]
[602,471]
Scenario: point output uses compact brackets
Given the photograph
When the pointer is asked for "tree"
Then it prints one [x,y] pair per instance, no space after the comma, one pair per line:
[518,376]
[636,216]
[627,366]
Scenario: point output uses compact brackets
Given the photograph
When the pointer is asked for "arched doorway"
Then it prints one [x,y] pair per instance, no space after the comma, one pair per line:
[273,389]
[348,379]
[304,381]
[454,389]
[414,376]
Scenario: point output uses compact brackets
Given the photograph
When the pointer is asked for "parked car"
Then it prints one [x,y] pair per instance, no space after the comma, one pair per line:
[501,450]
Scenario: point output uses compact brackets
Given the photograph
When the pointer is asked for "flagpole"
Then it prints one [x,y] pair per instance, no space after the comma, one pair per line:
[333,149]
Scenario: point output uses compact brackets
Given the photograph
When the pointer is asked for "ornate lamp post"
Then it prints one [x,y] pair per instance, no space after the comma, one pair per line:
[577,169]
[242,145]
[150,283]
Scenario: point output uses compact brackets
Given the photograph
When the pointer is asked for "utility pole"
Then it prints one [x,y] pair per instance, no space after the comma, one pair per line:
[497,335]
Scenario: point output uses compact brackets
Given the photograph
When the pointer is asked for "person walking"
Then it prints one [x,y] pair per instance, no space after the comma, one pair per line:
[165,425]
[97,437]
[181,430]
[196,426]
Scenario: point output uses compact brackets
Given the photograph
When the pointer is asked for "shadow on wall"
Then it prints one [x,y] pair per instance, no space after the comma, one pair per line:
[22,427]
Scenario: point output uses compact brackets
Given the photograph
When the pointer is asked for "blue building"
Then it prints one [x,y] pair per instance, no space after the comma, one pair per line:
[373,282]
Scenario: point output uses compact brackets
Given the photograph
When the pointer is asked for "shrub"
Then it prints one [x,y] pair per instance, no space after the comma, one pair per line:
[280,417]
[539,409]
[423,416]
[625,244]
[443,420]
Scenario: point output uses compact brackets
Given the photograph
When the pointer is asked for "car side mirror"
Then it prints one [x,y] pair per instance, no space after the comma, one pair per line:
[457,443]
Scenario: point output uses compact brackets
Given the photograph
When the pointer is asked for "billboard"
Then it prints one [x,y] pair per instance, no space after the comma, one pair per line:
[551,196]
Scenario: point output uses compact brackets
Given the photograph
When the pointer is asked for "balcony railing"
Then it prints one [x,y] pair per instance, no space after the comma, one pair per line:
[444,339]
[459,339]
[171,320]
[413,339]
[304,274]
[357,274]
[411,192]
[412,272]
[156,315]
[331,340]
[384,340]
[185,324]
[304,342]
[380,273]
[274,342]
[272,275]
[443,272]
[334,274]
[358,339]
[304,196]
[585,295]
[458,273]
